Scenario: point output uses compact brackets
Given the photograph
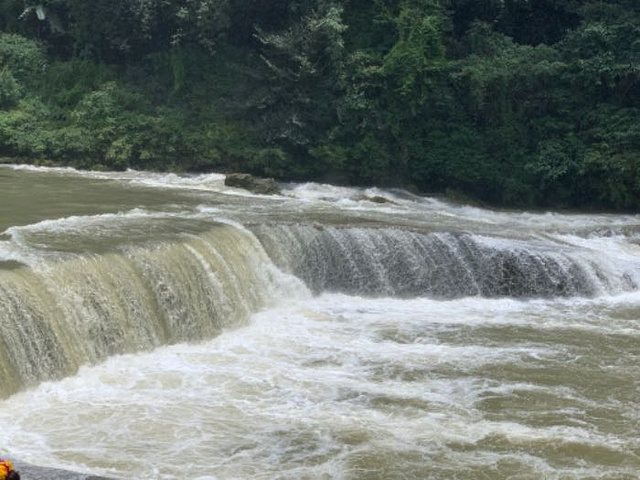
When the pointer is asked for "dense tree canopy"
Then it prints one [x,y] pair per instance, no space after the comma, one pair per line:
[513,102]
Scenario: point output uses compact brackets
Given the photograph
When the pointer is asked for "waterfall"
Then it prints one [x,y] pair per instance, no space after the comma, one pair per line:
[191,331]
[60,314]
[400,263]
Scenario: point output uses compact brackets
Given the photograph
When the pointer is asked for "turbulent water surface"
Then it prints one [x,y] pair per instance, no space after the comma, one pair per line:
[166,327]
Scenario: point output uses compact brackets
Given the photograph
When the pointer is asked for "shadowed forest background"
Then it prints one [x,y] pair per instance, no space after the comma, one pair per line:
[512,102]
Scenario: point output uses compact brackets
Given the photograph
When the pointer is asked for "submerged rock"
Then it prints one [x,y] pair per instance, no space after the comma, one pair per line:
[263,186]
[32,472]
[380,199]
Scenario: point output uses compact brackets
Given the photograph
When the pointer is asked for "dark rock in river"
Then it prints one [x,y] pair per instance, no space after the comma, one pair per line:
[263,186]
[31,472]
[379,199]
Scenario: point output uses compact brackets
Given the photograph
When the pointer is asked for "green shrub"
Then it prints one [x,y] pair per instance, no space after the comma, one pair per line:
[10,89]
[24,57]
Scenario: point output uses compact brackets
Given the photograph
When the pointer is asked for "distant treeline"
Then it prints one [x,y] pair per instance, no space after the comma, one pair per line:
[513,102]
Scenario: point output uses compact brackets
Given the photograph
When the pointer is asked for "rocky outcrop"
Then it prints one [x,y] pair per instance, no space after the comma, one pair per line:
[379,199]
[262,186]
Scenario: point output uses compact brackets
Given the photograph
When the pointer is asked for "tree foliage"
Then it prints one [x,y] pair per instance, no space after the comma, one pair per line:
[515,102]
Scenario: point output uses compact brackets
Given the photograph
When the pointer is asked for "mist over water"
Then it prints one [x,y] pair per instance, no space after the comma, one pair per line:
[162,327]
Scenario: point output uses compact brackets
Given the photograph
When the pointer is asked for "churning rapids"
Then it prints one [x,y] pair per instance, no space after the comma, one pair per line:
[166,327]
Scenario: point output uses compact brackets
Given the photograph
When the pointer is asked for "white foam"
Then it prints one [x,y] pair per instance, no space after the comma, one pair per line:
[33,168]
[463,216]
[75,222]
[205,181]
[306,390]
[335,385]
[360,199]
[9,252]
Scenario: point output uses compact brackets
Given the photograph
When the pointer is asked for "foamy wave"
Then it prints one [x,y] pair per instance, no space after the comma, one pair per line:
[314,380]
[208,181]
[34,168]
[77,223]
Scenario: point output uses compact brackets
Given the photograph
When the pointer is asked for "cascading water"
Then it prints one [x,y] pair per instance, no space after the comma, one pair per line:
[63,313]
[403,263]
[159,327]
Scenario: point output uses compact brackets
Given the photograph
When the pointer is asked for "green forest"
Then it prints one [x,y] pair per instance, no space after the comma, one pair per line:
[519,103]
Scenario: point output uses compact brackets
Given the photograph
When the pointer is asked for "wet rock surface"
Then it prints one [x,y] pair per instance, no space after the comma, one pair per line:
[32,472]
[263,186]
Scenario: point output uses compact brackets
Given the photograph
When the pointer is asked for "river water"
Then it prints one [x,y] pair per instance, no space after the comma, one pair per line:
[158,326]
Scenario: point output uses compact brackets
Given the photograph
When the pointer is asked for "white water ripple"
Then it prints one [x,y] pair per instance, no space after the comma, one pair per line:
[317,390]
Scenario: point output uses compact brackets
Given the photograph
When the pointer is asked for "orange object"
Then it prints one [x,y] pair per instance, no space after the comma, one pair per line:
[6,467]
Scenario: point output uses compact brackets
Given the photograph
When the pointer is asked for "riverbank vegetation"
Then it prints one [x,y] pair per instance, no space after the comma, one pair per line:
[513,102]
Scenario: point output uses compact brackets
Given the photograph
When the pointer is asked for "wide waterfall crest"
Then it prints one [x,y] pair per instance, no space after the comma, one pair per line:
[390,262]
[77,307]
[60,314]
